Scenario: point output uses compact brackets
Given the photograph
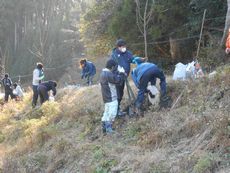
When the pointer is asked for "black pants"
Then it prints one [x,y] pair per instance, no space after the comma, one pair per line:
[35,95]
[43,93]
[120,92]
[7,94]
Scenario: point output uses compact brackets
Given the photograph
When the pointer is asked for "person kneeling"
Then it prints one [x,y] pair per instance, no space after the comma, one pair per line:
[18,93]
[44,88]
[108,81]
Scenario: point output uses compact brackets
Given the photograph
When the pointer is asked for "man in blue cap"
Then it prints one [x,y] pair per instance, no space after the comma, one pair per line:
[123,58]
[143,74]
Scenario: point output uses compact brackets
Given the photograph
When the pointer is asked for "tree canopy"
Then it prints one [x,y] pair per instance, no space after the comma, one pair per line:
[55,31]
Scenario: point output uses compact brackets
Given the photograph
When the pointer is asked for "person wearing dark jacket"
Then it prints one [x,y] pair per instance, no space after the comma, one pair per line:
[108,82]
[123,58]
[88,70]
[7,84]
[44,88]
[143,74]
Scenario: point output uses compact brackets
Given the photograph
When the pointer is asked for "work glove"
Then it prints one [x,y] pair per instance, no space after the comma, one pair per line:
[150,94]
[120,69]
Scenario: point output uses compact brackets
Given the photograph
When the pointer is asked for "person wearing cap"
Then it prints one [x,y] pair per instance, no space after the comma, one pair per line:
[7,84]
[108,82]
[38,76]
[18,93]
[143,74]
[123,58]
[88,70]
[44,88]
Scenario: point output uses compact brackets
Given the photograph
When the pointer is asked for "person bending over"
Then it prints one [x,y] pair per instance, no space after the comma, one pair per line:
[44,88]
[88,71]
[143,74]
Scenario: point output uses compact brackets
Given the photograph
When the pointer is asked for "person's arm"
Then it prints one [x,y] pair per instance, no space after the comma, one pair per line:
[131,57]
[17,91]
[10,81]
[134,77]
[91,69]
[116,78]
[161,76]
[54,89]
[36,74]
[20,92]
[83,72]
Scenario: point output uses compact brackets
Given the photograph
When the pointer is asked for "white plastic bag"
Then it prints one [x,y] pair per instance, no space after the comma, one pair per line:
[179,72]
[154,97]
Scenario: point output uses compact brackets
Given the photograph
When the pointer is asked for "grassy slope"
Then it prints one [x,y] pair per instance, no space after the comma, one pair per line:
[65,136]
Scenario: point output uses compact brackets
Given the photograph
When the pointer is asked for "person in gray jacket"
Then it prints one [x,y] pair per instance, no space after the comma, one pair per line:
[108,80]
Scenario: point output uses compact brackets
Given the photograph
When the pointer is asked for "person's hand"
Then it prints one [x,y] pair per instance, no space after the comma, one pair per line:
[227,50]
[120,69]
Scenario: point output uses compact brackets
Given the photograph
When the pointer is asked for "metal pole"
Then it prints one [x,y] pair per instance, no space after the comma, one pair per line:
[19,79]
[201,32]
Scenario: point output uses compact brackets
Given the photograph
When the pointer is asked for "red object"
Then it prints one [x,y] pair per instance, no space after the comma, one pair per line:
[228,41]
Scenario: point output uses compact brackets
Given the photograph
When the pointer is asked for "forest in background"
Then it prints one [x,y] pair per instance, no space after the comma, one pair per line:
[172,28]
[56,31]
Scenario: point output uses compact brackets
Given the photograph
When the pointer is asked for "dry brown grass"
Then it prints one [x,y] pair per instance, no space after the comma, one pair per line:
[65,136]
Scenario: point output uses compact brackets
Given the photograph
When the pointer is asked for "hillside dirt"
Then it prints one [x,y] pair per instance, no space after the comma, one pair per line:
[65,135]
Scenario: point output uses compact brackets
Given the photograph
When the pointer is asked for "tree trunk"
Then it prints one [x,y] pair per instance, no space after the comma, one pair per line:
[145,30]
[175,49]
[227,24]
[15,36]
[146,43]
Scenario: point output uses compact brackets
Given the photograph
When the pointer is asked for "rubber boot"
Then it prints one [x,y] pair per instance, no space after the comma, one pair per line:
[108,126]
[138,111]
[119,112]
[103,125]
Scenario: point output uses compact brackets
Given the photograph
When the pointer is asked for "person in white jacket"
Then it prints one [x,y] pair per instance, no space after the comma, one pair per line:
[38,76]
[18,93]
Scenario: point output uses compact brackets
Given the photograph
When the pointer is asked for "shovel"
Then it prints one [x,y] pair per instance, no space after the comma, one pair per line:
[130,108]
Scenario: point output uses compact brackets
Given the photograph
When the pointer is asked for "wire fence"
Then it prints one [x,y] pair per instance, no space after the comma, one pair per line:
[179,29]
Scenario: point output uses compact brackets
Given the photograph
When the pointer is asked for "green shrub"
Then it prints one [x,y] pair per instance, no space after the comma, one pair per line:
[98,153]
[2,137]
[205,163]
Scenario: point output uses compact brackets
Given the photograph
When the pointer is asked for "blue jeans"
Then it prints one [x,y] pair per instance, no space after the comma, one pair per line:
[150,76]
[90,80]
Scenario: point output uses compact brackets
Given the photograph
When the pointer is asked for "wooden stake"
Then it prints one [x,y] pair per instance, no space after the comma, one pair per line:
[201,32]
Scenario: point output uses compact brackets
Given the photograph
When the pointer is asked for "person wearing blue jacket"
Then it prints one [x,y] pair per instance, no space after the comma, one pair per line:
[88,70]
[143,74]
[123,58]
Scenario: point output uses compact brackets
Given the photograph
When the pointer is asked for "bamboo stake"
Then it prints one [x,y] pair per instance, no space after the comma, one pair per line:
[201,32]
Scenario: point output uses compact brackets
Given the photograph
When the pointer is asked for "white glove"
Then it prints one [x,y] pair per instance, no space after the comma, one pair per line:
[120,69]
[51,98]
